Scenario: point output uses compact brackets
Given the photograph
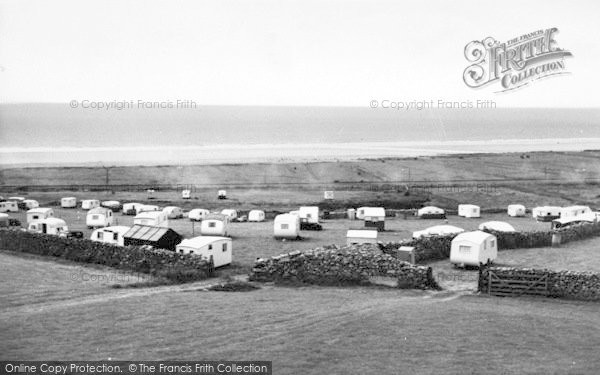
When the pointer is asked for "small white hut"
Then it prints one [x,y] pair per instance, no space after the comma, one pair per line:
[309,214]
[186,194]
[222,194]
[374,217]
[220,249]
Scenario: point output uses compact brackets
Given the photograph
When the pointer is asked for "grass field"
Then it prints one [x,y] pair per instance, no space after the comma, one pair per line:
[310,330]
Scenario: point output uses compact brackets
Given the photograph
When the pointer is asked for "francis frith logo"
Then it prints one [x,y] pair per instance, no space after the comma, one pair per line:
[515,63]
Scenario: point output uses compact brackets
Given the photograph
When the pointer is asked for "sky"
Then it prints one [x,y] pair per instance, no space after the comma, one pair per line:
[282,52]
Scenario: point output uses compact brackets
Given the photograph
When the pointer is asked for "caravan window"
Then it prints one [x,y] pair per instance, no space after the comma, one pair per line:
[464,249]
[285,226]
[115,236]
[224,247]
[492,243]
[484,245]
[35,217]
[212,224]
[100,235]
[209,247]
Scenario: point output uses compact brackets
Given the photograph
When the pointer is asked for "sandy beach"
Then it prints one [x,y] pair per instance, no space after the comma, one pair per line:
[277,153]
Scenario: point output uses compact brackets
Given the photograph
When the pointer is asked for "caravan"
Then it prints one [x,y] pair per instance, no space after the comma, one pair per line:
[215,225]
[50,225]
[469,210]
[68,202]
[473,248]
[256,215]
[110,235]
[574,211]
[220,249]
[173,212]
[152,218]
[516,210]
[286,226]
[114,206]
[131,208]
[198,214]
[88,204]
[30,203]
[358,237]
[40,213]
[9,206]
[374,217]
[99,217]
[546,213]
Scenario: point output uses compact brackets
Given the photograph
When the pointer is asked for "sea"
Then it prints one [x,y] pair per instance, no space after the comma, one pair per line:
[33,134]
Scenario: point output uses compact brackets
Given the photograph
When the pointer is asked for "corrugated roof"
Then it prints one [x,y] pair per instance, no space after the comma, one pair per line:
[146,232]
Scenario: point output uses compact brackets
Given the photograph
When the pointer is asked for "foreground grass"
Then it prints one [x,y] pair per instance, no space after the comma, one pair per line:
[309,330]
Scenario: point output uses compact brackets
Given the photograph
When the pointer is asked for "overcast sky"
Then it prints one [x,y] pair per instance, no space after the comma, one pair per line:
[281,52]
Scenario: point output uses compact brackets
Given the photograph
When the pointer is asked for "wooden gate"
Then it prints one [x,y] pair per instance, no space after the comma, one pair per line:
[515,285]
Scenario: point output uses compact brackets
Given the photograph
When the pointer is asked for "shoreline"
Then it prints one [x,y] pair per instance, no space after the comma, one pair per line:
[276,153]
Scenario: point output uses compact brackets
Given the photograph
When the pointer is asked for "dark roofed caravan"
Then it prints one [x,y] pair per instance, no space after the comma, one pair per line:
[158,237]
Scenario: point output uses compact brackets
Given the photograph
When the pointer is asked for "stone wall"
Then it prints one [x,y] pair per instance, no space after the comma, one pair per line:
[348,265]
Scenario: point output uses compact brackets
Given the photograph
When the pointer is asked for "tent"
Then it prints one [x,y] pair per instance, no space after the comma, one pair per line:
[256,215]
[438,230]
[286,226]
[431,212]
[356,237]
[516,210]
[499,226]
[110,235]
[157,237]
[473,248]
[220,249]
